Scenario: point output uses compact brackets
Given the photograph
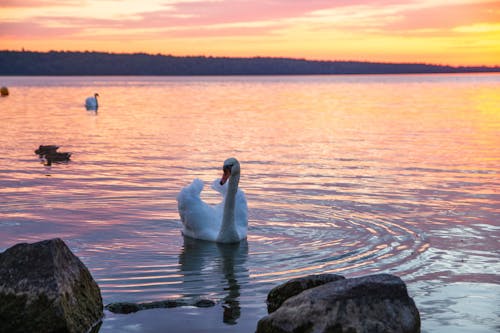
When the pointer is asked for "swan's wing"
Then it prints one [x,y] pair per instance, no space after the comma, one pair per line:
[90,103]
[188,197]
[199,219]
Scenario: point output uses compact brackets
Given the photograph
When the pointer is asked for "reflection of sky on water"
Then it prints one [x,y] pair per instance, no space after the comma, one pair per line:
[459,307]
[349,175]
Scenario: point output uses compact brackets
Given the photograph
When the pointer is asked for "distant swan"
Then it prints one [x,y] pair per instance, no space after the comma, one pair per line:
[226,222]
[91,102]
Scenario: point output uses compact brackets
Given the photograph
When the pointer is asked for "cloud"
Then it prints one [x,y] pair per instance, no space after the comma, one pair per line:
[33,30]
[231,11]
[479,28]
[385,16]
[174,18]
[446,16]
[37,3]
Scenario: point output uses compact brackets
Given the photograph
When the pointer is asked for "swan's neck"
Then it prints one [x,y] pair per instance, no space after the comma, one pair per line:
[96,104]
[228,233]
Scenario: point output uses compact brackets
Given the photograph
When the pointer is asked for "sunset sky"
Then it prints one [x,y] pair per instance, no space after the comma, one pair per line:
[460,32]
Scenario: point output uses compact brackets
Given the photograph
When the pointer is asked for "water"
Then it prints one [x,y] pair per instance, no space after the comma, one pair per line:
[343,174]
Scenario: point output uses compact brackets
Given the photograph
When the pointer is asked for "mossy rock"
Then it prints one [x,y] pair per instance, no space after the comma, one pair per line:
[44,287]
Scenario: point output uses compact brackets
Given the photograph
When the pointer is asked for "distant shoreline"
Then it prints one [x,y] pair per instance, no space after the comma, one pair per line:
[62,63]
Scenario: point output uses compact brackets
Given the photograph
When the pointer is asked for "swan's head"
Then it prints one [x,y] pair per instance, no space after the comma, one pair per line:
[231,168]
[96,94]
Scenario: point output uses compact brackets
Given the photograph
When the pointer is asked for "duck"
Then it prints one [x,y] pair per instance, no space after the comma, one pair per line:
[50,153]
[226,222]
[91,102]
[46,149]
[56,157]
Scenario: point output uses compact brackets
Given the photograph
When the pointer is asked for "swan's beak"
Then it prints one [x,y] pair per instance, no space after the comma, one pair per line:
[225,176]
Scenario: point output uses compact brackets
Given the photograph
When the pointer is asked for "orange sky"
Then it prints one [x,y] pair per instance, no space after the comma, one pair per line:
[459,32]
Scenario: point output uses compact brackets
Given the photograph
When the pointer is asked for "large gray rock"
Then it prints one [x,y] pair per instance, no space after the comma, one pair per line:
[44,287]
[375,304]
[293,287]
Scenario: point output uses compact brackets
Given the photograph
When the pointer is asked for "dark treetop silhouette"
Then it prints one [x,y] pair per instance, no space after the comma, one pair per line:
[98,63]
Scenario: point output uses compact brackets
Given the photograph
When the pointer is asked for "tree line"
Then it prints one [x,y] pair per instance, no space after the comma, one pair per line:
[100,63]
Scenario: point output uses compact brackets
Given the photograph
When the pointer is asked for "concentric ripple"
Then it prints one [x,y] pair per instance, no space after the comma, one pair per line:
[314,235]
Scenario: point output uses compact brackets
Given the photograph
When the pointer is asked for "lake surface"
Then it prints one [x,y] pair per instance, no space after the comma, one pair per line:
[351,175]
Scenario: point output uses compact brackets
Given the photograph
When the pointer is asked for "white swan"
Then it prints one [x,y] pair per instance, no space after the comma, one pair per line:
[91,102]
[226,222]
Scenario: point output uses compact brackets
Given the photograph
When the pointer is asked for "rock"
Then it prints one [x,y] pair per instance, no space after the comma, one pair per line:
[375,304]
[123,307]
[204,303]
[281,293]
[128,307]
[44,287]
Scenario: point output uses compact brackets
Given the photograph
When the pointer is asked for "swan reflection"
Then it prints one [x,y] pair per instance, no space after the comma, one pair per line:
[213,269]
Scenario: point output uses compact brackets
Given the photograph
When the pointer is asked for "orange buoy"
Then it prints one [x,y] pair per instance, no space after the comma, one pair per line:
[4,91]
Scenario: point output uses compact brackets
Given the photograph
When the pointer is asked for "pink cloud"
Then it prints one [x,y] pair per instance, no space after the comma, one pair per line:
[201,12]
[218,32]
[37,3]
[33,30]
[445,17]
[183,19]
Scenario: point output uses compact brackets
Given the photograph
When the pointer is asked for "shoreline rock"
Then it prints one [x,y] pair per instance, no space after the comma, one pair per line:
[293,287]
[375,303]
[44,287]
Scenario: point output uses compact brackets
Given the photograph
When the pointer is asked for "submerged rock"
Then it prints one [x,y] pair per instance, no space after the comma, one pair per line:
[129,307]
[123,307]
[44,287]
[375,304]
[281,293]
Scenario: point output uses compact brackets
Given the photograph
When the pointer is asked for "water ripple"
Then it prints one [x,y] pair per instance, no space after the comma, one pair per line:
[342,175]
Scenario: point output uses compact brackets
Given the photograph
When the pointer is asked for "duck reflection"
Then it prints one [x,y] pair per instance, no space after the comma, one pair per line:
[208,265]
